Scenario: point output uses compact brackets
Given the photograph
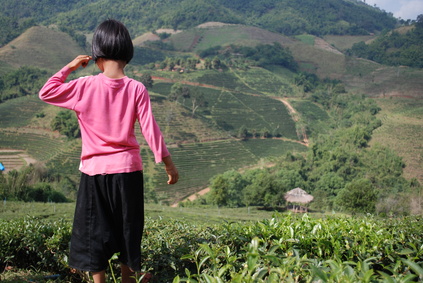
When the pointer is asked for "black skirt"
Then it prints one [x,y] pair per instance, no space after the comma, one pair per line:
[109,219]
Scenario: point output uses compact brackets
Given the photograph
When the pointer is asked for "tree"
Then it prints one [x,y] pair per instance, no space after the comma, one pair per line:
[67,124]
[359,196]
[147,81]
[226,189]
[197,100]
[207,63]
[177,91]
[216,63]
[243,132]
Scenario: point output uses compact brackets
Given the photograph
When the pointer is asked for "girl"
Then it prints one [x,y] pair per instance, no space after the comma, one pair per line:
[109,214]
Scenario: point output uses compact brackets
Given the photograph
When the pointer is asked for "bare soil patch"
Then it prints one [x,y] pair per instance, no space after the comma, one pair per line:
[15,159]
[322,44]
[193,196]
[213,24]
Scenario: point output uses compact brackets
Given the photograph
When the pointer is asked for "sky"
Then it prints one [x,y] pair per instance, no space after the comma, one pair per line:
[404,9]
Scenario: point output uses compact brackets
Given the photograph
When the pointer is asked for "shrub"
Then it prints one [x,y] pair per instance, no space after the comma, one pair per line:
[33,243]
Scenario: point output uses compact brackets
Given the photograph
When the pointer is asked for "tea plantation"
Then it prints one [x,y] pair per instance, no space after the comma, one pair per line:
[281,248]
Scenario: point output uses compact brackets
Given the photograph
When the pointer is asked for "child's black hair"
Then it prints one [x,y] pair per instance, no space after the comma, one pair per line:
[111,40]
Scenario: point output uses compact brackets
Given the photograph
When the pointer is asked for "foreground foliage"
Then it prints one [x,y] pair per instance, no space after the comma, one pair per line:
[285,248]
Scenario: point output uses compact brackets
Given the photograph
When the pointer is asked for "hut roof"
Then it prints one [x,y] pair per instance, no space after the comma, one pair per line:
[299,196]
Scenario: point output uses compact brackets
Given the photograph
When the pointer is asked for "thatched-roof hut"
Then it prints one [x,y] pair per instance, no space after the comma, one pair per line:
[298,195]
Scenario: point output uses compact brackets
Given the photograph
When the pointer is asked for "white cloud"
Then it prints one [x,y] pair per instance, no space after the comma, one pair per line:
[410,9]
[404,9]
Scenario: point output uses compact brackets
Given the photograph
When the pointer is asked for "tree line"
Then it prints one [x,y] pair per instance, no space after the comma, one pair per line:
[394,48]
[290,17]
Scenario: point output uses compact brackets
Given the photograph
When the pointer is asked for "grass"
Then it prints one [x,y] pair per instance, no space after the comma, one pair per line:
[306,38]
[324,63]
[41,47]
[345,42]
[200,39]
[12,210]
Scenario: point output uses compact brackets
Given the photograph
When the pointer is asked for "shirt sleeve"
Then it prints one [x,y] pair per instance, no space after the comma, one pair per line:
[149,127]
[57,92]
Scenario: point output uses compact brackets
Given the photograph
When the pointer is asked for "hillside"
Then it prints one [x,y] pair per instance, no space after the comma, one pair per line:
[250,100]
[314,55]
[40,47]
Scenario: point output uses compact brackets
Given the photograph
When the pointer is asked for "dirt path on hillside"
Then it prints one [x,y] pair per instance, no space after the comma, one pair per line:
[295,116]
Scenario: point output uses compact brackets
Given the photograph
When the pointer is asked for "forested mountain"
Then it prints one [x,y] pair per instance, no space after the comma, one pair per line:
[289,17]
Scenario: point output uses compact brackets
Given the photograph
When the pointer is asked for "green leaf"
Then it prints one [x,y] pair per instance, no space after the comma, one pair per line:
[414,266]
[368,275]
[260,274]
[386,277]
[406,251]
[319,273]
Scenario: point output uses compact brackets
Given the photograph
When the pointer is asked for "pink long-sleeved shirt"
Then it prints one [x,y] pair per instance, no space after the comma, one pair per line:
[107,110]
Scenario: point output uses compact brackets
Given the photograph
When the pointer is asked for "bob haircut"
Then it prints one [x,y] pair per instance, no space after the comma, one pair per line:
[112,41]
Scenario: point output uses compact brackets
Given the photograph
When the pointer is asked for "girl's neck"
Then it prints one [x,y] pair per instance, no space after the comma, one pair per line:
[111,68]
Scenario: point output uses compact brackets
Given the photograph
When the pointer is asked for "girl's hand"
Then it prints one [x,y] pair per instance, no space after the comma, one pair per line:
[172,174]
[81,60]
[171,170]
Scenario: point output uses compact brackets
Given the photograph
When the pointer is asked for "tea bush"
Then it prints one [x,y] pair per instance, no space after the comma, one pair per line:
[34,243]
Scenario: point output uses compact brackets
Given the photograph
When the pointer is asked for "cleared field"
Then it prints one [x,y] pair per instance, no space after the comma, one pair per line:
[265,81]
[198,144]
[41,47]
[402,131]
[345,42]
[203,38]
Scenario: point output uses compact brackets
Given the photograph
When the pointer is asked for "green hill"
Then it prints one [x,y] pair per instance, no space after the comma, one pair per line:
[40,47]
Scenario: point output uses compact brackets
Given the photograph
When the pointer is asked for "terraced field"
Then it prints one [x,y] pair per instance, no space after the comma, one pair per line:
[198,162]
[231,110]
